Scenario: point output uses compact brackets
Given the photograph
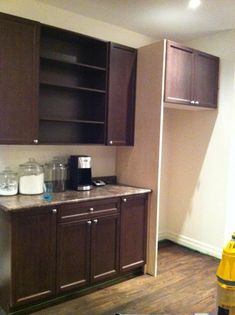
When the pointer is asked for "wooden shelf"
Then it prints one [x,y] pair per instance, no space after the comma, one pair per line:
[79,121]
[77,64]
[71,87]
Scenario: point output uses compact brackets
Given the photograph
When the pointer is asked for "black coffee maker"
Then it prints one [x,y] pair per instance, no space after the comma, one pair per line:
[80,172]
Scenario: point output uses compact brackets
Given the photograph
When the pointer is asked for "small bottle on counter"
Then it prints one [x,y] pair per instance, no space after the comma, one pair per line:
[8,183]
[31,180]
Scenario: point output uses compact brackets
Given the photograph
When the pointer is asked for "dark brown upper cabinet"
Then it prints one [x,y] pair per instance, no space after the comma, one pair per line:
[121,95]
[61,87]
[191,77]
[73,74]
[18,80]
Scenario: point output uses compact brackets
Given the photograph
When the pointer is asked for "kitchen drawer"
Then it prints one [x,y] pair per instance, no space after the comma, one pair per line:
[90,209]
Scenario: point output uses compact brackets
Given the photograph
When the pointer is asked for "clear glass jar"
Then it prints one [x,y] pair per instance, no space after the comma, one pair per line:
[8,183]
[31,178]
[56,174]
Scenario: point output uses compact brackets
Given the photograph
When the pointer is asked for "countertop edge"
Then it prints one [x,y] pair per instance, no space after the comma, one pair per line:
[16,203]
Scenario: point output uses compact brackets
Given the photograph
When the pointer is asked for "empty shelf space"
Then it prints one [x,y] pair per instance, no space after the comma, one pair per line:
[70,63]
[72,87]
[59,132]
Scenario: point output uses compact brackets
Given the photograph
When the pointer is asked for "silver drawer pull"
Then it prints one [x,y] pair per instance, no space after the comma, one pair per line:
[54,210]
[111,142]
[35,141]
[89,222]
[197,102]
[192,102]
[95,221]
[91,209]
[124,200]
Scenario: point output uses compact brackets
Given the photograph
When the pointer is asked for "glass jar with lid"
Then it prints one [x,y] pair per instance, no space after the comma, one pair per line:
[31,179]
[8,182]
[56,174]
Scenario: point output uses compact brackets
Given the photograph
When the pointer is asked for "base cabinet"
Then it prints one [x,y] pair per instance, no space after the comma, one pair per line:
[87,249]
[47,252]
[105,247]
[33,256]
[73,242]
[133,232]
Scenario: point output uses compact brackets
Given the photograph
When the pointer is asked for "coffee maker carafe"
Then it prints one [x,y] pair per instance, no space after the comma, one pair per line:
[80,172]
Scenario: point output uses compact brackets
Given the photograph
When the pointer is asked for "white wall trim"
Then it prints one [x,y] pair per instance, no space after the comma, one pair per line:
[192,244]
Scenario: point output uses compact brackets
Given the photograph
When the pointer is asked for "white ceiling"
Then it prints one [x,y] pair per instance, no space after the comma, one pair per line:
[158,19]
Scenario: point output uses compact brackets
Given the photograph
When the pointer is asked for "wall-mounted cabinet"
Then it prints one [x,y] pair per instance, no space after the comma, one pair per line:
[191,77]
[60,87]
[18,80]
[121,95]
[73,80]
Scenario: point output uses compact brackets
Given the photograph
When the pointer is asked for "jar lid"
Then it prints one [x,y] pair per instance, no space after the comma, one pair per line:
[56,163]
[8,172]
[31,164]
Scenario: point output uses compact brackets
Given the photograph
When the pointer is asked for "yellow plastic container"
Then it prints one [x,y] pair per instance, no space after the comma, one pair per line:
[226,280]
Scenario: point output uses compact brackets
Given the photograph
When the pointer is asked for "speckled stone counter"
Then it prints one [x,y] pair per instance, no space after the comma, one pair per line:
[14,203]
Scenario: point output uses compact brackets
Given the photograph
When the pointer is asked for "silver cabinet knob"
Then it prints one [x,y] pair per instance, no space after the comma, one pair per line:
[197,102]
[54,210]
[95,221]
[111,142]
[192,102]
[124,200]
[89,222]
[91,209]
[35,141]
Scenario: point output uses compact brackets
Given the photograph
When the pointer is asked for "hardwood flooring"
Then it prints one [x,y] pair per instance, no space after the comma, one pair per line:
[186,284]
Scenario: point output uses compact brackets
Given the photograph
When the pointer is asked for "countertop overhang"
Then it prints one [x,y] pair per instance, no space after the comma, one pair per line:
[18,202]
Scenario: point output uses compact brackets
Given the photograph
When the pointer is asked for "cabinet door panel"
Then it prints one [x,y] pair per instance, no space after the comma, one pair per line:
[73,243]
[105,244]
[121,95]
[33,239]
[179,74]
[206,79]
[19,80]
[133,232]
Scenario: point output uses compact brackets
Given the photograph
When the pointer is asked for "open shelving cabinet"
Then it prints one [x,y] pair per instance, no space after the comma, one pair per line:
[73,86]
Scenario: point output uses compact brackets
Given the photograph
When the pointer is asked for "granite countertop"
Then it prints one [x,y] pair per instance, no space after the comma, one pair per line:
[14,203]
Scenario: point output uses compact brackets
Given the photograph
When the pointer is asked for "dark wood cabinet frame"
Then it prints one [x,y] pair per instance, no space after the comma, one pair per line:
[48,253]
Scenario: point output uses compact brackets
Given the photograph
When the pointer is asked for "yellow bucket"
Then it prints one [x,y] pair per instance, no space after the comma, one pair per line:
[226,280]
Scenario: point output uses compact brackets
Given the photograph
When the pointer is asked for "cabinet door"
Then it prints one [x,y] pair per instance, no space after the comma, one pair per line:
[73,260]
[133,232]
[206,79]
[105,247]
[33,255]
[179,74]
[18,80]
[121,95]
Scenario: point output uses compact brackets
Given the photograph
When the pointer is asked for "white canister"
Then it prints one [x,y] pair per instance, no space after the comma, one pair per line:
[31,179]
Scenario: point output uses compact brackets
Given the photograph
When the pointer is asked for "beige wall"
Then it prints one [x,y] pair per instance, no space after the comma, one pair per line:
[201,167]
[103,158]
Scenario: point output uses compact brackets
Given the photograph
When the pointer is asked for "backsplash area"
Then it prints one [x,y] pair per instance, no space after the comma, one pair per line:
[103,157]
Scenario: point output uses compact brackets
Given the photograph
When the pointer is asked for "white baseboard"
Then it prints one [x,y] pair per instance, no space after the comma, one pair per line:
[191,243]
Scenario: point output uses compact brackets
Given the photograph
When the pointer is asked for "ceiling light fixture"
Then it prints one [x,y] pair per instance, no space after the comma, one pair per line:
[193,4]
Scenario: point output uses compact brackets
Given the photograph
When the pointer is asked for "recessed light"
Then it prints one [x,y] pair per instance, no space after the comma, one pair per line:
[193,4]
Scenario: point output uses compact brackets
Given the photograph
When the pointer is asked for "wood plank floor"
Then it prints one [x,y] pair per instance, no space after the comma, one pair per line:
[186,284]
